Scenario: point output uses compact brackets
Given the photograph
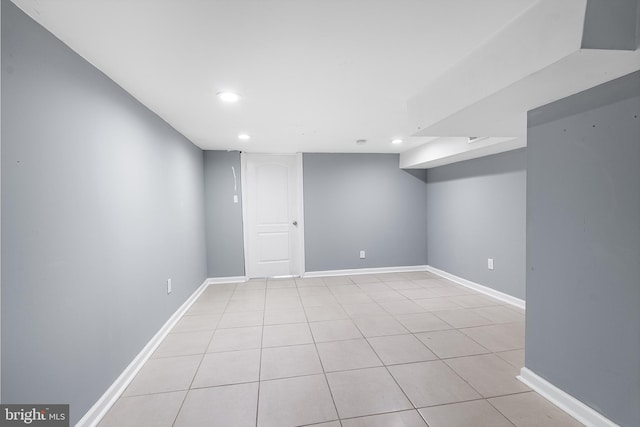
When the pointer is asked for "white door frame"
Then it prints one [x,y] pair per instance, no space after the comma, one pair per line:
[299,210]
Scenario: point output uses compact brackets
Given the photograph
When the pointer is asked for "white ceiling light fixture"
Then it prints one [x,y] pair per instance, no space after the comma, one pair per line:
[396,141]
[228,96]
[244,137]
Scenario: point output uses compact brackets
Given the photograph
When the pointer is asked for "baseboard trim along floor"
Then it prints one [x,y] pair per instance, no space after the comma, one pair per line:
[359,271]
[520,303]
[100,408]
[569,404]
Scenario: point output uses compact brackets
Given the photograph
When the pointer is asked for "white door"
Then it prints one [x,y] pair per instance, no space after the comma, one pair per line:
[272,205]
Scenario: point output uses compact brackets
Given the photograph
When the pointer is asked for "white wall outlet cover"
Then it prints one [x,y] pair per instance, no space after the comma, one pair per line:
[490,263]
[362,255]
[235,198]
[169,289]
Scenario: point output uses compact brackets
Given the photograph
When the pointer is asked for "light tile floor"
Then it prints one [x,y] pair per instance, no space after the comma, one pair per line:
[398,349]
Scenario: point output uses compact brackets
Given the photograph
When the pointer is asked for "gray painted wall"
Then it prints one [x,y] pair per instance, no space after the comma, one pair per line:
[225,244]
[356,202]
[477,210]
[583,247]
[102,201]
[611,24]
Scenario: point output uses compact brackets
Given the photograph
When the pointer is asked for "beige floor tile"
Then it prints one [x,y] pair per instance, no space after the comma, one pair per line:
[236,339]
[337,280]
[202,322]
[325,312]
[158,410]
[417,275]
[349,354]
[369,288]
[163,375]
[363,310]
[402,307]
[231,405]
[398,349]
[432,383]
[389,277]
[402,284]
[309,282]
[503,337]
[437,304]
[422,322]
[292,334]
[476,300]
[364,278]
[282,292]
[239,306]
[462,318]
[361,298]
[452,343]
[420,293]
[281,317]
[183,344]
[514,357]
[532,410]
[346,290]
[232,367]
[242,319]
[315,291]
[204,306]
[499,314]
[318,301]
[386,296]
[295,401]
[329,424]
[244,293]
[451,290]
[428,283]
[488,374]
[334,330]
[290,361]
[366,392]
[379,326]
[409,418]
[477,413]
[284,304]
[281,284]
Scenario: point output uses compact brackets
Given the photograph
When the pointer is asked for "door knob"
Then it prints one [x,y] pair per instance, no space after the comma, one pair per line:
[295,223]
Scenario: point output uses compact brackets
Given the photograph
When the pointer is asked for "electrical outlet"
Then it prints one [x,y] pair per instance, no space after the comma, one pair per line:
[235,198]
[490,263]
[169,286]
[362,255]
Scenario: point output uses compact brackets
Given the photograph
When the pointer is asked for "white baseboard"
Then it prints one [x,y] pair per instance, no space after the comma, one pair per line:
[220,280]
[357,271]
[480,288]
[569,404]
[100,408]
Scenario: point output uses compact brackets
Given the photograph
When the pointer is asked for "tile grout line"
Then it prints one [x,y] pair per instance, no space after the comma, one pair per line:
[315,344]
[352,319]
[201,359]
[264,311]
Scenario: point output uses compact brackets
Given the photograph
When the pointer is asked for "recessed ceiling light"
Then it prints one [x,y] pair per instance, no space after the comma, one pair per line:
[228,96]
[244,136]
[396,141]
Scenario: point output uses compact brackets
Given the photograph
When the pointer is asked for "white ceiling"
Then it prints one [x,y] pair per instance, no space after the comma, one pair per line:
[316,75]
